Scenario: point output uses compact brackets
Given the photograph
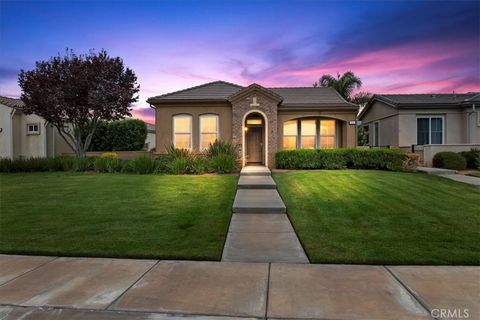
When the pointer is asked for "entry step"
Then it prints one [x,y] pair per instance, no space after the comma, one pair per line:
[255,171]
[256,182]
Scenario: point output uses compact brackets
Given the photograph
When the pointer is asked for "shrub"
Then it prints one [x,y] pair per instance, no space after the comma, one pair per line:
[161,164]
[412,160]
[472,157]
[107,164]
[384,159]
[199,165]
[141,165]
[178,166]
[223,163]
[111,155]
[220,147]
[449,160]
[175,153]
[81,164]
[121,135]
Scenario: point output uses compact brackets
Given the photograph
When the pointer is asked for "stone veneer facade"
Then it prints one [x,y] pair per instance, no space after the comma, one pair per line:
[245,104]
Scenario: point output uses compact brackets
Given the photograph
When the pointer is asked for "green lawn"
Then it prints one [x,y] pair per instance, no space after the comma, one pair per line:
[115,215]
[379,217]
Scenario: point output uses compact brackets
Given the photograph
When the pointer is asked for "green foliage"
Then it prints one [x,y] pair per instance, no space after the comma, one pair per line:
[174,153]
[141,165]
[61,163]
[122,135]
[109,165]
[223,163]
[344,84]
[382,159]
[179,165]
[472,157]
[362,138]
[199,165]
[220,158]
[449,160]
[220,147]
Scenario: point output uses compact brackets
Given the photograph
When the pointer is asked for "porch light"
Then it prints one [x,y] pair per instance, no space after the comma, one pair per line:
[245,129]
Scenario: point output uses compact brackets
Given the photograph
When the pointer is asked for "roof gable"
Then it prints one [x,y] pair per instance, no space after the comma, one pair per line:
[255,88]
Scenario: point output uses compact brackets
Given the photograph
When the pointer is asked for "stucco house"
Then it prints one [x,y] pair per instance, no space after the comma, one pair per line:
[24,135]
[428,123]
[256,119]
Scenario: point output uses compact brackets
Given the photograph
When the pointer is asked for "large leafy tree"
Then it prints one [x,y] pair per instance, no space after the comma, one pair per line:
[75,93]
[345,84]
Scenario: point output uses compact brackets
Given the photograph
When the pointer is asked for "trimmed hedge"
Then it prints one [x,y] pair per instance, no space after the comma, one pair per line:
[449,160]
[121,135]
[472,157]
[382,159]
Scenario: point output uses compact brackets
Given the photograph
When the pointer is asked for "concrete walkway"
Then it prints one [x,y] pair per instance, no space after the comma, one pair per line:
[34,287]
[260,230]
[451,174]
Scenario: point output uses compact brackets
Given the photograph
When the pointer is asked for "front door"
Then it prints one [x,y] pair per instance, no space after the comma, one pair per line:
[254,142]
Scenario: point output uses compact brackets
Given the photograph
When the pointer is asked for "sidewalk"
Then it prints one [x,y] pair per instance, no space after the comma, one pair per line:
[33,287]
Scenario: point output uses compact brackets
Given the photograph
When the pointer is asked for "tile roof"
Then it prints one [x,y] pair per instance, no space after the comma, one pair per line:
[292,96]
[11,102]
[218,90]
[437,99]
[310,96]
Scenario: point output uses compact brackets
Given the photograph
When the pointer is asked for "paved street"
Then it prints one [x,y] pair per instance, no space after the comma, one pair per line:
[97,288]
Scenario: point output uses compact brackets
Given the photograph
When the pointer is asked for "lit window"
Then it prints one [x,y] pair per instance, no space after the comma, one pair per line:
[254,121]
[208,130]
[290,131]
[182,131]
[33,128]
[309,133]
[327,134]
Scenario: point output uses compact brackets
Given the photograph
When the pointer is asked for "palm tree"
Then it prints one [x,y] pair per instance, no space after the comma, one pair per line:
[345,84]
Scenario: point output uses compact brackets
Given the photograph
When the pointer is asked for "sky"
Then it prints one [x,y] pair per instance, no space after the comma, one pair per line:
[393,46]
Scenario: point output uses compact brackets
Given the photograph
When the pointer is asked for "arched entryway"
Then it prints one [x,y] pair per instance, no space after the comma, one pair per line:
[255,149]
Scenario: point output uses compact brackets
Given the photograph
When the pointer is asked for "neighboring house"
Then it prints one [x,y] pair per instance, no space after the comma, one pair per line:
[150,141]
[24,135]
[257,120]
[433,122]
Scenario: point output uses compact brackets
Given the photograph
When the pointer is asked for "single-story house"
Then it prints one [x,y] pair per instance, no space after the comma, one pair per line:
[256,119]
[24,135]
[428,122]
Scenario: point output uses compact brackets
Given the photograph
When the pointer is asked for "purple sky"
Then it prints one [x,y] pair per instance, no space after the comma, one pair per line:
[394,46]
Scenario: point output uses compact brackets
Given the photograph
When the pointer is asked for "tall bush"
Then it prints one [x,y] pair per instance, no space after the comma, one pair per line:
[472,157]
[122,135]
[449,160]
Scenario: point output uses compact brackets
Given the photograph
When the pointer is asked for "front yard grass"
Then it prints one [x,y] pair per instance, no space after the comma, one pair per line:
[115,215]
[379,217]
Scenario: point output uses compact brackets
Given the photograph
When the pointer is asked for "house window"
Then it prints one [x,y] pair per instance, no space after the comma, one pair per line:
[182,131]
[208,130]
[290,133]
[309,133]
[430,130]
[327,134]
[376,134]
[33,128]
